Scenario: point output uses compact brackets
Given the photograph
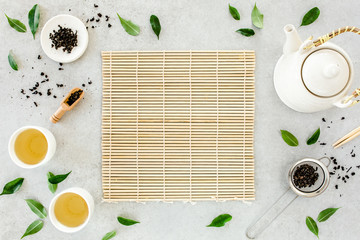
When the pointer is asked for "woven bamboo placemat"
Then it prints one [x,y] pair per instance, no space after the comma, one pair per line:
[178,125]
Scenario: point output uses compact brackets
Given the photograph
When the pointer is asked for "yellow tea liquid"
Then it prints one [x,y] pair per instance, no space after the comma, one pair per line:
[71,210]
[31,146]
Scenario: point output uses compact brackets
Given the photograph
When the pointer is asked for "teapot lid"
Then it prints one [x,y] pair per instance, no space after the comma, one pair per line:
[325,72]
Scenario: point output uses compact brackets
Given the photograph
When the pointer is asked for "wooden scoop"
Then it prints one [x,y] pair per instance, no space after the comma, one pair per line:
[67,103]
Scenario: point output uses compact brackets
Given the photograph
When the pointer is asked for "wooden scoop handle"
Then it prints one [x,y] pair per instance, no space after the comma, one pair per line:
[57,115]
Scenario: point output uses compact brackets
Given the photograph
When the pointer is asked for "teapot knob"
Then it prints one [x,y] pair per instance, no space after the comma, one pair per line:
[331,70]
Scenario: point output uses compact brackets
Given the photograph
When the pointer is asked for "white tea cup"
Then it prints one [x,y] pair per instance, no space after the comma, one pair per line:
[51,142]
[90,204]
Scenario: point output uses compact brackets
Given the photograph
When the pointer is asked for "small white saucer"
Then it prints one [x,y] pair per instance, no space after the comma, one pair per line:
[68,21]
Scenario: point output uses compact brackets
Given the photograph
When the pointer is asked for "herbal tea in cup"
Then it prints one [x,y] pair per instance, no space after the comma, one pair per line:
[71,210]
[31,146]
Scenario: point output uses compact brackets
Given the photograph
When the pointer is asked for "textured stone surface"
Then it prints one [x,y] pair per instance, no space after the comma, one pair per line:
[186,24]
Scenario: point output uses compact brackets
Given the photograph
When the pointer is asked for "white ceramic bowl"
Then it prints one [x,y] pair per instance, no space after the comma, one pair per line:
[65,21]
[89,201]
[49,138]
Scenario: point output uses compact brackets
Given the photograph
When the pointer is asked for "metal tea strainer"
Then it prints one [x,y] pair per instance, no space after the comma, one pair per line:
[288,197]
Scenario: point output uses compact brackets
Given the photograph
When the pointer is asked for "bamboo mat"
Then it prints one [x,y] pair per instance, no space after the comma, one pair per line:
[178,126]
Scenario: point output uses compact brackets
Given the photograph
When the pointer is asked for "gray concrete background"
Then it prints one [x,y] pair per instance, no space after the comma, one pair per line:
[186,24]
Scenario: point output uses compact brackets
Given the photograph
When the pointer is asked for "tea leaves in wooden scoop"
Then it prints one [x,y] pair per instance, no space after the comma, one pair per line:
[257,18]
[310,16]
[52,187]
[130,27]
[109,235]
[220,220]
[313,139]
[126,222]
[155,25]
[247,32]
[37,208]
[12,61]
[34,18]
[290,139]
[33,228]
[234,12]
[16,24]
[326,214]
[312,226]
[13,186]
[58,178]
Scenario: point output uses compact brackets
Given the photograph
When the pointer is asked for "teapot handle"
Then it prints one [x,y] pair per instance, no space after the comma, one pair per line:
[331,35]
[348,101]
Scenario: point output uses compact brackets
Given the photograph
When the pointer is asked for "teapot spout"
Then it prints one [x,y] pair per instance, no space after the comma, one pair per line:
[293,41]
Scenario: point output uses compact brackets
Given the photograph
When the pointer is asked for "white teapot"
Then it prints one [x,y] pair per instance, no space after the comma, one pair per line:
[312,76]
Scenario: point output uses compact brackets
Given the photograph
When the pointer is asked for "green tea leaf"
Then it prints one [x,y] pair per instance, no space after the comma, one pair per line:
[130,28]
[12,61]
[126,222]
[109,235]
[313,139]
[34,18]
[310,16]
[13,186]
[234,12]
[326,214]
[16,24]
[52,187]
[37,208]
[33,228]
[257,18]
[247,32]
[289,138]
[155,25]
[220,220]
[311,224]
[58,178]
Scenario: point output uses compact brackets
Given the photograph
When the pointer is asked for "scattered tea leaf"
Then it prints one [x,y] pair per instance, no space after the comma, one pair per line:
[326,214]
[247,32]
[52,187]
[220,220]
[12,61]
[313,139]
[13,186]
[310,16]
[109,235]
[311,224]
[33,228]
[16,24]
[130,27]
[126,222]
[234,12]
[37,208]
[289,138]
[155,25]
[34,18]
[257,18]
[58,178]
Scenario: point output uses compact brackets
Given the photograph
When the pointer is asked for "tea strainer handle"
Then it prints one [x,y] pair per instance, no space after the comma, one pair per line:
[271,214]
